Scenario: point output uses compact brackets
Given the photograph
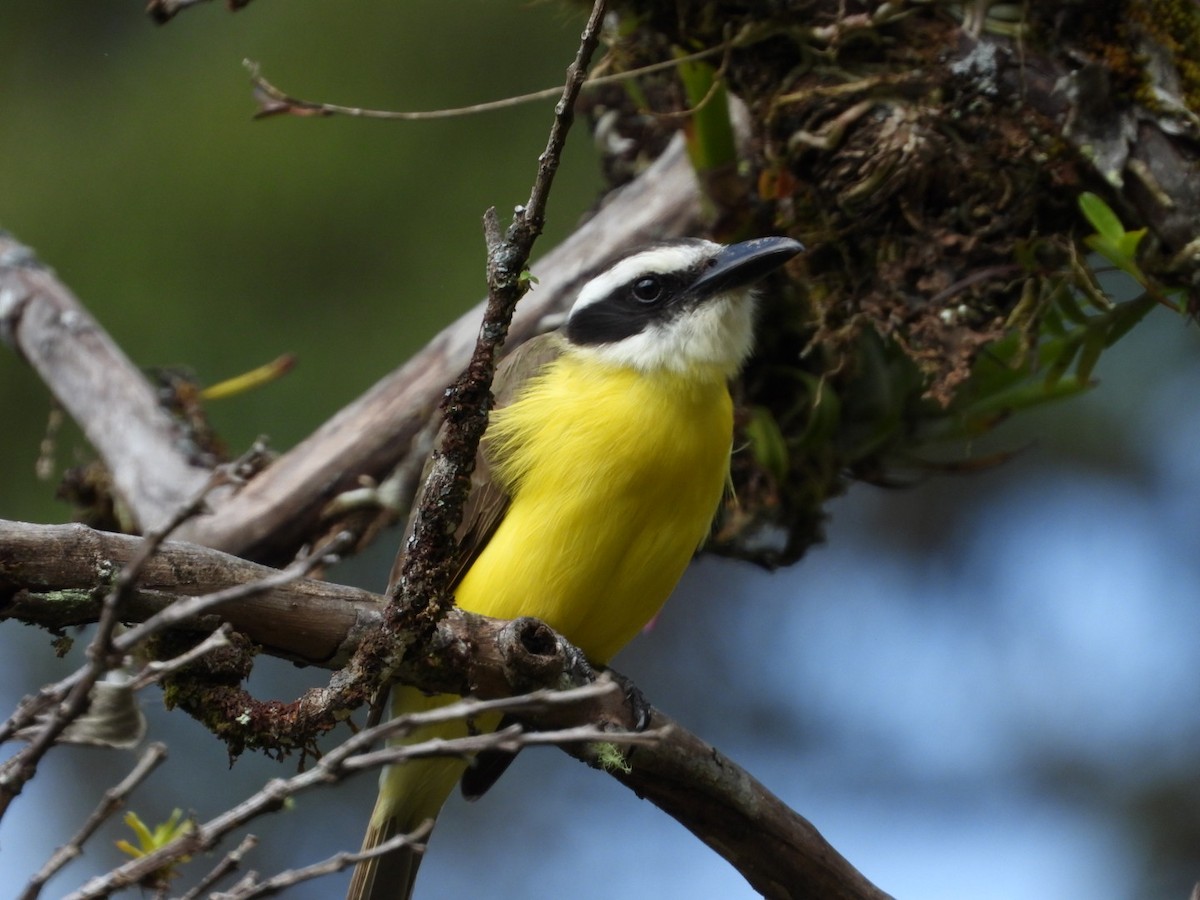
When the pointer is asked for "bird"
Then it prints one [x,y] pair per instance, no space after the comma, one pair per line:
[604,462]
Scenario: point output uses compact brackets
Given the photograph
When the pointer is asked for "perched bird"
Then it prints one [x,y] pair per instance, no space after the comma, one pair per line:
[603,464]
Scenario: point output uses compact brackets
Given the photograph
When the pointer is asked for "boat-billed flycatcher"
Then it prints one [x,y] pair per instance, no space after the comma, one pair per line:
[598,478]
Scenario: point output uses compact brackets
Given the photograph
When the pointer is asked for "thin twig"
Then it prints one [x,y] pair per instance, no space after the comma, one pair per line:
[506,740]
[158,669]
[718,81]
[250,887]
[347,758]
[162,11]
[103,654]
[274,101]
[104,651]
[421,596]
[229,863]
[114,799]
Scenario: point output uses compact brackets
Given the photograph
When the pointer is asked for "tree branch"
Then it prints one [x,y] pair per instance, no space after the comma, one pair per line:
[231,861]
[58,709]
[282,507]
[98,385]
[163,11]
[354,755]
[680,774]
[49,576]
[251,886]
[423,588]
[778,851]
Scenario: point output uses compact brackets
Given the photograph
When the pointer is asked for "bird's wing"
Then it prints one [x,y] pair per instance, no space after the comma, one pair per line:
[488,501]
[486,505]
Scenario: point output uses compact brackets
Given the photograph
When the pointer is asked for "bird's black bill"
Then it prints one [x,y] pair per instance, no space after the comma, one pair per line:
[740,265]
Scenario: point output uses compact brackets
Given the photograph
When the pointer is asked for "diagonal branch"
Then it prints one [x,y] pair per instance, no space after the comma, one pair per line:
[281,507]
[431,555]
[97,384]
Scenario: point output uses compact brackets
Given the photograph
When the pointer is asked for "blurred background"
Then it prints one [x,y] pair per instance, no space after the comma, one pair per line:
[982,686]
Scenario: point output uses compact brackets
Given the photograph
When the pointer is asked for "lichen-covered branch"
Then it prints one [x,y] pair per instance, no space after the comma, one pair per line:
[489,658]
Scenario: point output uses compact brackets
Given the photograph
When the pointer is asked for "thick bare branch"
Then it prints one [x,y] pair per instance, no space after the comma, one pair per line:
[98,385]
[50,576]
[56,706]
[778,851]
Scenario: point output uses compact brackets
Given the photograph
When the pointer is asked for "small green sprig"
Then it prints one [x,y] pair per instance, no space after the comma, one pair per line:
[149,841]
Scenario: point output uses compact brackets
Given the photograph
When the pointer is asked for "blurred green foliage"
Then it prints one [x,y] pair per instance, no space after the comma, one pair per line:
[198,237]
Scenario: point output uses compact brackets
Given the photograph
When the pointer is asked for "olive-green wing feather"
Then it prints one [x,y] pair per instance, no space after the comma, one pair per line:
[488,501]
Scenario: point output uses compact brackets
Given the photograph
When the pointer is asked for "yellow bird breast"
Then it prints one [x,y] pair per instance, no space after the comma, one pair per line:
[614,477]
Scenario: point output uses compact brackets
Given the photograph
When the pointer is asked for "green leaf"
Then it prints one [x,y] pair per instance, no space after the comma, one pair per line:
[710,138]
[1023,396]
[1068,304]
[1111,240]
[1101,217]
[823,409]
[1128,243]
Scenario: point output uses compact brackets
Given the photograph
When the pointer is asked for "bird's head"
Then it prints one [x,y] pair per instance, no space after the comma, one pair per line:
[680,306]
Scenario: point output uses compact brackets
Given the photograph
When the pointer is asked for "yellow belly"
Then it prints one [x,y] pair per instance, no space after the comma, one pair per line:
[615,477]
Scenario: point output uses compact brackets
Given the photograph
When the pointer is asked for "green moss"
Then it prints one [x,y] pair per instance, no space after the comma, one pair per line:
[1175,26]
[1119,36]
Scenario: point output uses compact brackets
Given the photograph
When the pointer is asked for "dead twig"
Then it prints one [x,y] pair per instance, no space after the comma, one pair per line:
[163,11]
[250,886]
[273,101]
[354,755]
[85,369]
[56,710]
[114,799]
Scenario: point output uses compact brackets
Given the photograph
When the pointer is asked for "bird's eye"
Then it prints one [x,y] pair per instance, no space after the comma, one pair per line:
[647,290]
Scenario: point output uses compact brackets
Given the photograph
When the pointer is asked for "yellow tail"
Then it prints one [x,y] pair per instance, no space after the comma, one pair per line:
[409,794]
